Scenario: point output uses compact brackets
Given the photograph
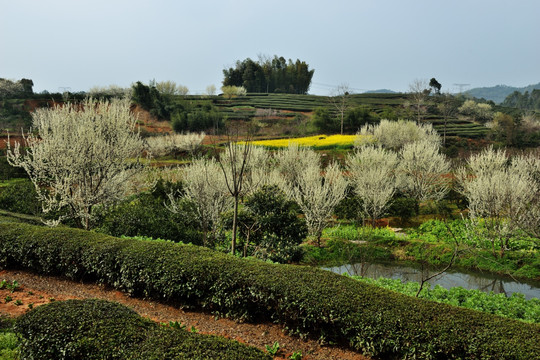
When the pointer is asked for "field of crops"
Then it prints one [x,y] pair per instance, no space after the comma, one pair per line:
[317,141]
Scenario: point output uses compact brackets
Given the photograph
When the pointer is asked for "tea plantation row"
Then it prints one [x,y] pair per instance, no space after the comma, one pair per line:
[98,329]
[308,301]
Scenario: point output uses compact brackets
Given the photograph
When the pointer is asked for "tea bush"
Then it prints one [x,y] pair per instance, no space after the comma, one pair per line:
[308,301]
[98,329]
[9,342]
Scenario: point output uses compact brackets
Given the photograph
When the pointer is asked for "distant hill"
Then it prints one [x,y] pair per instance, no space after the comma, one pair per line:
[381,91]
[500,92]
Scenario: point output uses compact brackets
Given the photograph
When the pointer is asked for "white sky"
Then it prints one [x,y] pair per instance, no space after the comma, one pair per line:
[367,44]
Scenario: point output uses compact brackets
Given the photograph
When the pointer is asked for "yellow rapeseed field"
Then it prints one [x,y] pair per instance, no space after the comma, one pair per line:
[311,141]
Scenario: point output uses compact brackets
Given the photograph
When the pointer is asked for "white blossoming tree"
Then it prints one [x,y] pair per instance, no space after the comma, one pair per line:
[423,171]
[171,143]
[317,191]
[204,186]
[372,172]
[395,134]
[80,155]
[502,196]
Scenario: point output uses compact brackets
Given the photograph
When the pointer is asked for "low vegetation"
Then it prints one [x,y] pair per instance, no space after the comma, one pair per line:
[107,330]
[308,301]
[9,341]
[316,142]
[513,307]
[430,244]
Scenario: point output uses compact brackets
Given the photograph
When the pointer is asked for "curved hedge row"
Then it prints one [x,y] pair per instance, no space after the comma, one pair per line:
[99,329]
[307,300]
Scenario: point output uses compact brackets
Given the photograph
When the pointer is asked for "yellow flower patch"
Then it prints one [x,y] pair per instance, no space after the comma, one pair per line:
[311,141]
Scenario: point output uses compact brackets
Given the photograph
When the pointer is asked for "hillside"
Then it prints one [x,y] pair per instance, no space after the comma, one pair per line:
[500,92]
[275,115]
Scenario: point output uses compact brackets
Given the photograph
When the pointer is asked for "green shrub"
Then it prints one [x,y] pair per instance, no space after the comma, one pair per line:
[280,230]
[8,172]
[403,207]
[98,329]
[9,342]
[20,197]
[146,215]
[306,300]
[349,207]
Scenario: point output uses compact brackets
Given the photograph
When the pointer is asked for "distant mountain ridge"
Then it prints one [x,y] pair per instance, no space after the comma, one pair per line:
[500,92]
[381,91]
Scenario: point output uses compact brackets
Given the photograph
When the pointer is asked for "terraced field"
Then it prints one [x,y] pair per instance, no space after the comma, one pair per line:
[287,106]
[287,110]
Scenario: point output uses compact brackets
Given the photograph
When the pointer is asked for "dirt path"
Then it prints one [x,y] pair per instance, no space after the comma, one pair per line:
[36,290]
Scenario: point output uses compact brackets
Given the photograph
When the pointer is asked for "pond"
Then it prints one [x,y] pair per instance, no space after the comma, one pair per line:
[468,280]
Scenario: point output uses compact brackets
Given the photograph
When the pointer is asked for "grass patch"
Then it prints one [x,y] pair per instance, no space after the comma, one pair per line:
[513,307]
[430,243]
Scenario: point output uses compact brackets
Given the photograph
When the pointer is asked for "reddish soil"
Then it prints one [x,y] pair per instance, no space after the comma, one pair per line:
[149,123]
[38,290]
[12,139]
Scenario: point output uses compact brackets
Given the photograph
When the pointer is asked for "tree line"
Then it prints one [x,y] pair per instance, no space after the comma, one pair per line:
[523,101]
[266,75]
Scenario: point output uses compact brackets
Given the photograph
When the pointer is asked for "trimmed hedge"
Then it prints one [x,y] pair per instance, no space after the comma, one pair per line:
[308,301]
[99,329]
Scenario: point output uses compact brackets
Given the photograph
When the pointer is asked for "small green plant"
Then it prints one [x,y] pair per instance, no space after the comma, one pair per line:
[52,299]
[272,350]
[8,298]
[193,329]
[9,345]
[31,306]
[297,355]
[18,302]
[13,286]
[175,325]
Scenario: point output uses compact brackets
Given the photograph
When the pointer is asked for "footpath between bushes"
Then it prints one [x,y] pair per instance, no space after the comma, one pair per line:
[41,289]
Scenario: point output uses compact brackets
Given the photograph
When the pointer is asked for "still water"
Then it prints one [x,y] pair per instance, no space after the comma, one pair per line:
[480,281]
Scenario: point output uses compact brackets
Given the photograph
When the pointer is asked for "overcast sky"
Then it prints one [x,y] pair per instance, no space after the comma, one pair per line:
[367,44]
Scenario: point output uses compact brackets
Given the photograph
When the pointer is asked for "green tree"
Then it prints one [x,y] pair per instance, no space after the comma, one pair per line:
[435,85]
[275,75]
[359,116]
[27,85]
[324,120]
[272,228]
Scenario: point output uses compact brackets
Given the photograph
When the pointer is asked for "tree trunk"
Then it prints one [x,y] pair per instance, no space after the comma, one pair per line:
[247,243]
[235,225]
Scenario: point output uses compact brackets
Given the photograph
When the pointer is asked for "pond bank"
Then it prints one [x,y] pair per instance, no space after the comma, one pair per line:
[466,279]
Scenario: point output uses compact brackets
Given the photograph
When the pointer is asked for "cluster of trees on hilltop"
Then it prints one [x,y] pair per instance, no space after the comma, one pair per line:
[267,75]
[12,88]
[523,101]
